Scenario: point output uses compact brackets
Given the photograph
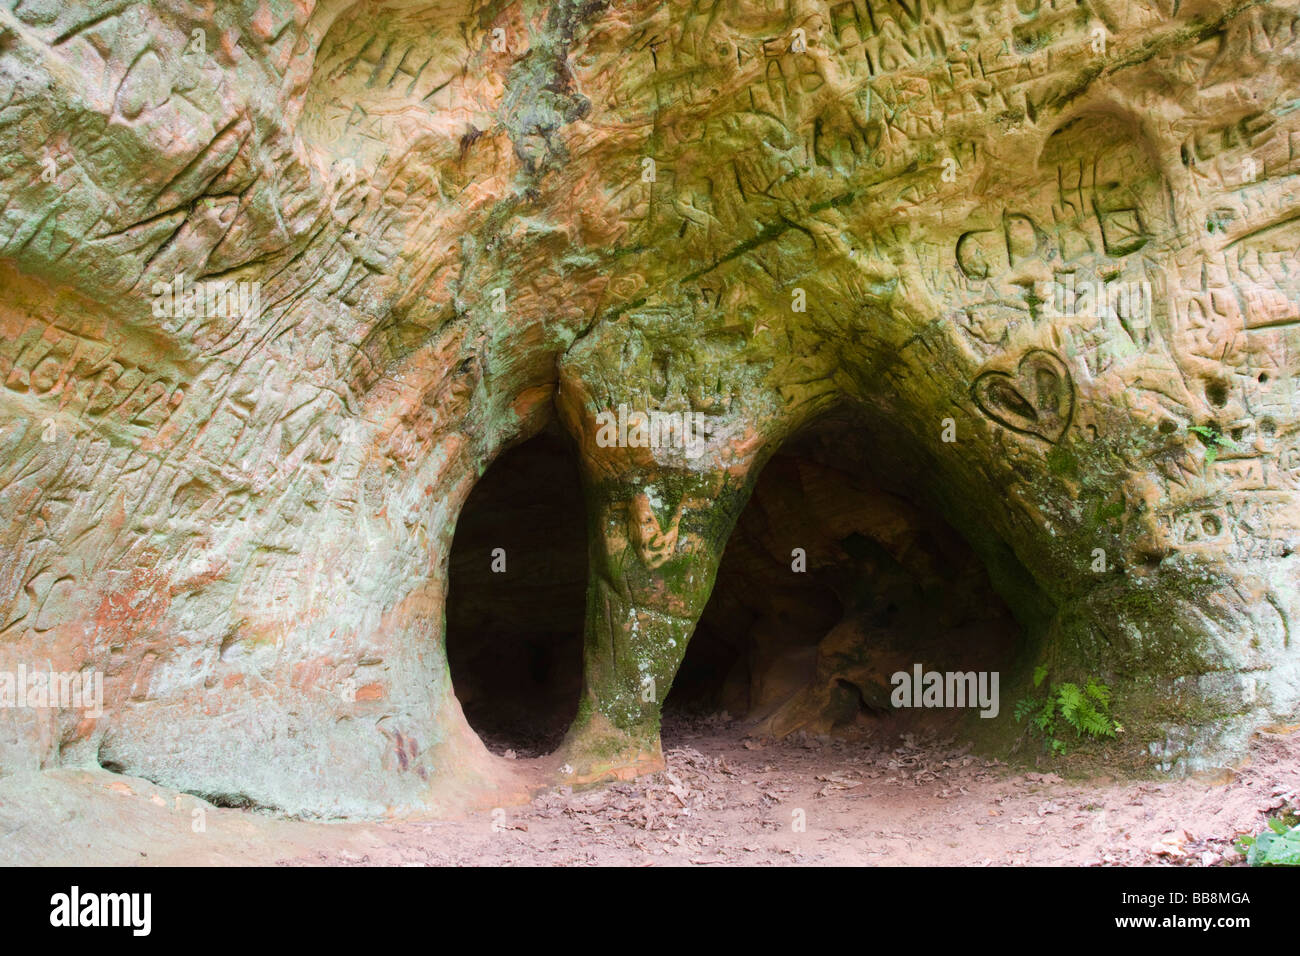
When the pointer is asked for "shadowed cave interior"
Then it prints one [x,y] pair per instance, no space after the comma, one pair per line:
[514,636]
[886,584]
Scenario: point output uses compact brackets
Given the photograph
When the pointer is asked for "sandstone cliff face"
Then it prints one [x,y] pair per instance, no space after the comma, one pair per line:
[1037,259]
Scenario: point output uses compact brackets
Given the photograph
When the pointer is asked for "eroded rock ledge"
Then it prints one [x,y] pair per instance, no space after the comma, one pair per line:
[1024,270]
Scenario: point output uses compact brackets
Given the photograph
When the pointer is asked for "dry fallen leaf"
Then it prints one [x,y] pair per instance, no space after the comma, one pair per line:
[1170,845]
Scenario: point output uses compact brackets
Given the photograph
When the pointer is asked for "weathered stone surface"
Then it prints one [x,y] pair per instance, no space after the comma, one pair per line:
[756,211]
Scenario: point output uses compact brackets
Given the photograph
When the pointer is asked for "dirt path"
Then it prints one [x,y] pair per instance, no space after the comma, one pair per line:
[723,800]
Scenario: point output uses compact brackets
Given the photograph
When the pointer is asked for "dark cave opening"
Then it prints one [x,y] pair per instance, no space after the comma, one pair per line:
[832,582]
[516,595]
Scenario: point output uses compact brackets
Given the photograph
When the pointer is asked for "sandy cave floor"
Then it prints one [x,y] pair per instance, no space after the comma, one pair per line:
[723,800]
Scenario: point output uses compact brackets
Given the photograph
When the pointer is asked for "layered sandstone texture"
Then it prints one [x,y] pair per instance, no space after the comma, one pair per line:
[457,224]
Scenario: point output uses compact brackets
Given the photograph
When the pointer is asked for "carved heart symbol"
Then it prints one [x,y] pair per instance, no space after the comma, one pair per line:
[1037,400]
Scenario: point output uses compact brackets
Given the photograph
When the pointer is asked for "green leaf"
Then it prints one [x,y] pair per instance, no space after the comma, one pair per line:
[1071,699]
[1099,691]
[1040,672]
[1275,849]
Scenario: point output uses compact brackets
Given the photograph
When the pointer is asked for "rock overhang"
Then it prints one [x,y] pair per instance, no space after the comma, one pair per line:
[243,521]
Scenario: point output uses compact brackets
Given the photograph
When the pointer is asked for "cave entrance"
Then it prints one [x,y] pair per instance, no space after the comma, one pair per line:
[516,596]
[887,584]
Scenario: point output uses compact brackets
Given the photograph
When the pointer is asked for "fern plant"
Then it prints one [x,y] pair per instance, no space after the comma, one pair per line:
[1213,439]
[1085,709]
